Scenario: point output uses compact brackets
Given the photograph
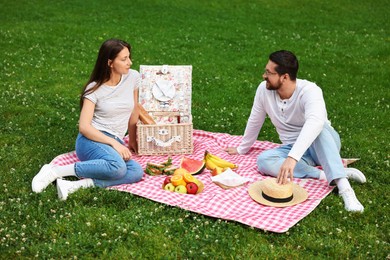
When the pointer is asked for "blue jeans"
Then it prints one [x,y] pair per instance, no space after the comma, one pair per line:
[103,164]
[324,151]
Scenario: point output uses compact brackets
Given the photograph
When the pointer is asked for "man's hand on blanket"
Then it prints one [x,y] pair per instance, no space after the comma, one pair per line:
[123,151]
[286,170]
[231,150]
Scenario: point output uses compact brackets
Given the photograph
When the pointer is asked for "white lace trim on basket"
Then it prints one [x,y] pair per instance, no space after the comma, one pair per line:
[162,143]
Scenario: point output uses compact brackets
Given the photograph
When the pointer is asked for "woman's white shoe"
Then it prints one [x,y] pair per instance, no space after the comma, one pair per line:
[64,188]
[43,178]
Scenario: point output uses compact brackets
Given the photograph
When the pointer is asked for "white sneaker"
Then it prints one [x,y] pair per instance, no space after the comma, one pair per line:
[43,178]
[355,174]
[351,203]
[64,188]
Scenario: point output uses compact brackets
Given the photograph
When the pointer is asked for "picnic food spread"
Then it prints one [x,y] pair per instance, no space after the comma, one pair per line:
[165,168]
[215,162]
[183,182]
[192,166]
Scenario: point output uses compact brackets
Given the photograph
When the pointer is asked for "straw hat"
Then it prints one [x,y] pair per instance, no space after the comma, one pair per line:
[268,192]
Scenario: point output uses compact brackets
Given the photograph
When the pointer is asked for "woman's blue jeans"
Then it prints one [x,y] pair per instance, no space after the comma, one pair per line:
[103,164]
[324,152]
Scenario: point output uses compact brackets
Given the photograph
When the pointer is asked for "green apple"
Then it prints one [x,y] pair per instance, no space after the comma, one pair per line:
[181,189]
[169,187]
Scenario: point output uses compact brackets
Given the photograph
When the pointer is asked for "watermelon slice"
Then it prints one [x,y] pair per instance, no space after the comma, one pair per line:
[192,166]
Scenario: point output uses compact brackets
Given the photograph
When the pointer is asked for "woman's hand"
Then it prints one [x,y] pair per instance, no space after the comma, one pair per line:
[123,151]
[133,146]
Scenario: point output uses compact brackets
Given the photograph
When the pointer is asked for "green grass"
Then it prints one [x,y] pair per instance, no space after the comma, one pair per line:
[48,49]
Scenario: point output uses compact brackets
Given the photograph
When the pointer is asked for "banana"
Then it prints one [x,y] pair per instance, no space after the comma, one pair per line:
[213,159]
[223,163]
[210,165]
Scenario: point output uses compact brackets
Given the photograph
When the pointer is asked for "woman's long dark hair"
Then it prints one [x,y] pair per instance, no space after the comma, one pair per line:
[102,71]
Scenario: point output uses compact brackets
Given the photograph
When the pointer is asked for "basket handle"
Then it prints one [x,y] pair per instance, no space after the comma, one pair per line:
[161,143]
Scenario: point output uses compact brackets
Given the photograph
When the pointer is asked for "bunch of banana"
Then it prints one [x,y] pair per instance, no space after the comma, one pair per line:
[212,161]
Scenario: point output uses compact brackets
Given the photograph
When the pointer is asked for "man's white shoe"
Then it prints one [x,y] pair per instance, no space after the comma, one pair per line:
[64,188]
[355,174]
[44,177]
[351,203]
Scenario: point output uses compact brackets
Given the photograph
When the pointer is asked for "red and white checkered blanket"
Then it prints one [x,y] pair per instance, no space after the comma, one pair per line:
[232,204]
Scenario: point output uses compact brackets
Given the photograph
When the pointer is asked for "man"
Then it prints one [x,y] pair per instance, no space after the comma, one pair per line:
[297,110]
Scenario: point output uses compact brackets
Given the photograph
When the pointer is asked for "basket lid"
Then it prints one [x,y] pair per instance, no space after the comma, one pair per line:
[166,88]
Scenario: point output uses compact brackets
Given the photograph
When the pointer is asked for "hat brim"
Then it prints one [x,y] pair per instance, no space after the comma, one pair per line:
[256,193]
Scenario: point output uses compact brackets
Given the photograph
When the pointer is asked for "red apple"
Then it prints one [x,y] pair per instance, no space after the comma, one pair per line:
[166,181]
[192,188]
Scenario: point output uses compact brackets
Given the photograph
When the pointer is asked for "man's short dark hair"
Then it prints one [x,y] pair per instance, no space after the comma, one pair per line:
[286,62]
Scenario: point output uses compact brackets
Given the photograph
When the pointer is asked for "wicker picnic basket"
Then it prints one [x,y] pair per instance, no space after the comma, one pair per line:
[165,93]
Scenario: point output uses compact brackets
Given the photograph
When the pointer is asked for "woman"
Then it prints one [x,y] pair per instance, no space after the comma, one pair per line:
[108,109]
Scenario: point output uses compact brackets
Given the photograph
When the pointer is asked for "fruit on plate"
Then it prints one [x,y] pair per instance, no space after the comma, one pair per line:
[166,181]
[177,180]
[169,187]
[188,177]
[213,161]
[200,185]
[180,171]
[191,184]
[217,170]
[193,166]
[181,189]
[192,188]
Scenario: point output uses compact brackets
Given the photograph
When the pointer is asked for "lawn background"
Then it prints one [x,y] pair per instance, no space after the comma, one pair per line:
[48,49]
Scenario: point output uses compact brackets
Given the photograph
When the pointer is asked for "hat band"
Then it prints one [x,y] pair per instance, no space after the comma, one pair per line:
[277,200]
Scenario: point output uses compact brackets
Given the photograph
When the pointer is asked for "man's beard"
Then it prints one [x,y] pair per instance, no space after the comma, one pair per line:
[270,86]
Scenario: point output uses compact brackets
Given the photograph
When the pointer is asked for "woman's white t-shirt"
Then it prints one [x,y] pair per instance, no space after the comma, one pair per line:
[114,104]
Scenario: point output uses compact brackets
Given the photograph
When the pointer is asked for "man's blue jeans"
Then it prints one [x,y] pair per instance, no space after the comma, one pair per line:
[324,151]
[103,164]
